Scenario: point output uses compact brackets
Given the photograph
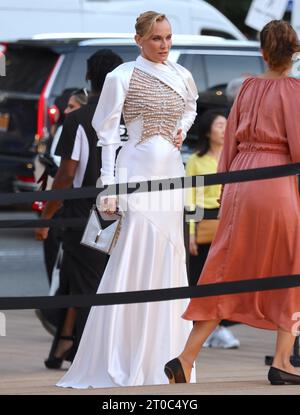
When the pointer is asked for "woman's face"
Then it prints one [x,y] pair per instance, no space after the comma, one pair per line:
[72,105]
[157,46]
[217,131]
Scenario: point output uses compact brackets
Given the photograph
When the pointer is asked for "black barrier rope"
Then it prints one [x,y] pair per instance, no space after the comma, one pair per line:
[43,223]
[16,158]
[167,294]
[263,173]
[71,222]
[236,287]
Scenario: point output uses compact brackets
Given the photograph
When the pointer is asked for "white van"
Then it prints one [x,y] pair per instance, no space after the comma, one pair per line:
[26,18]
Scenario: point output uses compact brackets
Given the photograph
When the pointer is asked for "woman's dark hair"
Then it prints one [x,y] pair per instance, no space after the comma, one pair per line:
[61,102]
[280,41]
[205,123]
[98,66]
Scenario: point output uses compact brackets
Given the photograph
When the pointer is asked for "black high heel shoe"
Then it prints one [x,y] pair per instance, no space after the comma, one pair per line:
[54,362]
[174,371]
[280,377]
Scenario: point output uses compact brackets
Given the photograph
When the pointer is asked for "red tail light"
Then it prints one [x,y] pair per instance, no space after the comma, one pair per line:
[38,206]
[3,47]
[53,114]
[41,116]
[26,179]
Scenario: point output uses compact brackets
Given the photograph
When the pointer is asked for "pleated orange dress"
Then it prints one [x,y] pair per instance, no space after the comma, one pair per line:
[259,231]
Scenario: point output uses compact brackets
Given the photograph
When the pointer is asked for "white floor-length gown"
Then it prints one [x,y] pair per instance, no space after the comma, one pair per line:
[127,345]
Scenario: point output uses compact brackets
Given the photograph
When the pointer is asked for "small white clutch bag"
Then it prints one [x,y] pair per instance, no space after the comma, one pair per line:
[95,237]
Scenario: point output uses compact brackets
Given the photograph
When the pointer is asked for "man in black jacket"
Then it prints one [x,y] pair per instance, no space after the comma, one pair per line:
[81,267]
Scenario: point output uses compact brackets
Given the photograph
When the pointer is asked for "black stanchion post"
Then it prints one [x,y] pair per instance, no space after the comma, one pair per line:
[295,358]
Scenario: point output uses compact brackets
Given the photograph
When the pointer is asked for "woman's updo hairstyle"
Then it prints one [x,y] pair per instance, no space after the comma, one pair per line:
[146,21]
[280,41]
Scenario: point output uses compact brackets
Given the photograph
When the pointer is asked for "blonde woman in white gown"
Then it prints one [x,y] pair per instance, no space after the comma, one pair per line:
[127,345]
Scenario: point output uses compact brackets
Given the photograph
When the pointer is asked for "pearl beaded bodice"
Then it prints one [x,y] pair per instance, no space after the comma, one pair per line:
[159,106]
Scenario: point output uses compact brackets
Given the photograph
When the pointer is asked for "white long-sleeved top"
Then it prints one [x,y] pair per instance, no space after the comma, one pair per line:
[106,120]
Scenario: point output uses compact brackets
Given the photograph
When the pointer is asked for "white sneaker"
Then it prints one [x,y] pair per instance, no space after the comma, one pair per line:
[223,338]
[206,344]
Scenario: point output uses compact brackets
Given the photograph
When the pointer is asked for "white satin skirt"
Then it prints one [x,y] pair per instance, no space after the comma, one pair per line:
[128,345]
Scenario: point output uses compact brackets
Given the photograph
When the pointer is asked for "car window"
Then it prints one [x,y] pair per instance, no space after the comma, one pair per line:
[212,74]
[221,69]
[295,72]
[72,74]
[36,65]
[215,71]
[195,64]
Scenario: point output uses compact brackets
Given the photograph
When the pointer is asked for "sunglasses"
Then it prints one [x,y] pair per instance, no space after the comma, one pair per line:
[80,91]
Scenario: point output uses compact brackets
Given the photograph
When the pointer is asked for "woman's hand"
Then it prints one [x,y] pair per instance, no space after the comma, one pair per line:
[41,234]
[178,139]
[108,205]
[221,195]
[193,245]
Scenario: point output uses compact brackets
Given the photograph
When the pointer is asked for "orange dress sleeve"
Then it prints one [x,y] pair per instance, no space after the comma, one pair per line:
[230,147]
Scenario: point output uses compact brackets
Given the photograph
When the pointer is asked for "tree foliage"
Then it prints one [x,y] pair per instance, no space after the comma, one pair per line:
[236,11]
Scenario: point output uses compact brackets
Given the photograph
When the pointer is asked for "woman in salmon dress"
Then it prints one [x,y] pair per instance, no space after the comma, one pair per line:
[259,231]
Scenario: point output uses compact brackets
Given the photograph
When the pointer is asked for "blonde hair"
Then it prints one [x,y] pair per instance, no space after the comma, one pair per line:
[146,21]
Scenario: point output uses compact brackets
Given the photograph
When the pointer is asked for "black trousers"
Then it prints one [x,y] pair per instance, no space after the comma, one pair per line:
[196,264]
[81,272]
[51,246]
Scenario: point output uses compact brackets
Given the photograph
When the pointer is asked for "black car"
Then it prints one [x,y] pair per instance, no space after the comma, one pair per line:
[39,70]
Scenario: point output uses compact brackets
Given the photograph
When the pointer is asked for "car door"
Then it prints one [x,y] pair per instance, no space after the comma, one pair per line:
[212,70]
